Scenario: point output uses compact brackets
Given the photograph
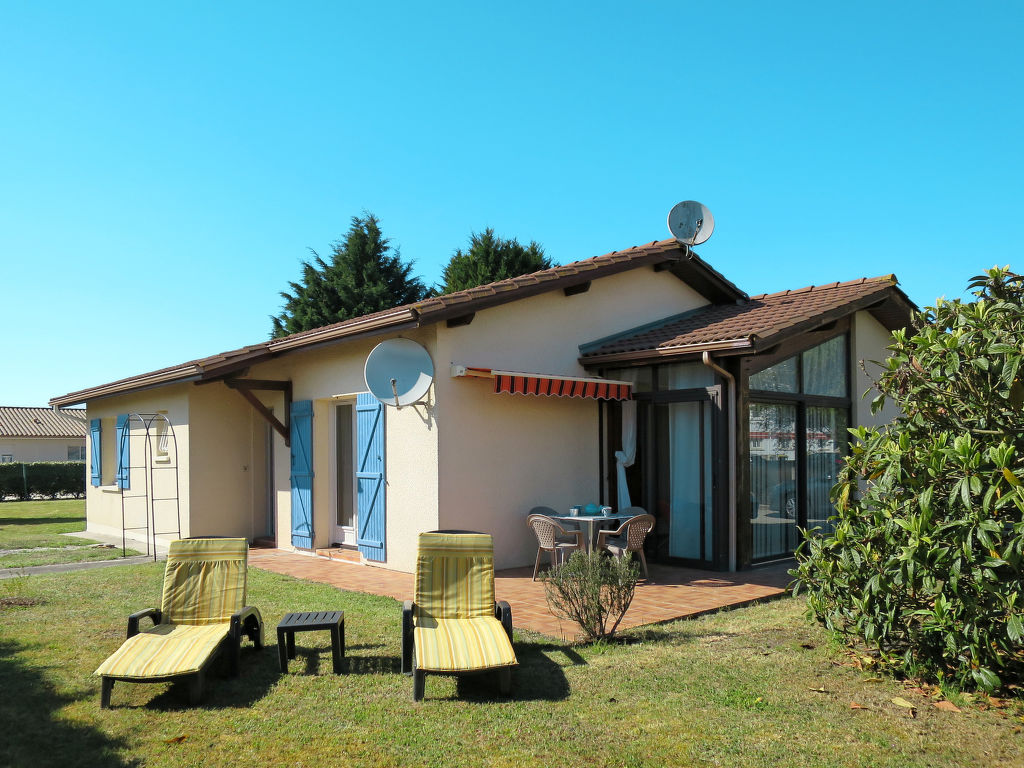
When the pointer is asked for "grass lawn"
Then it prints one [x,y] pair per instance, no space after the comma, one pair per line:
[752,687]
[38,525]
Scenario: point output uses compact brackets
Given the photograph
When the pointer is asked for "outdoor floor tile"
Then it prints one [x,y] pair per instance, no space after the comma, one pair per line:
[670,593]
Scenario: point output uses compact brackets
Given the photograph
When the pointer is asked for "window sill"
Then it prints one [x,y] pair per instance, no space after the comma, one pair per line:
[109,489]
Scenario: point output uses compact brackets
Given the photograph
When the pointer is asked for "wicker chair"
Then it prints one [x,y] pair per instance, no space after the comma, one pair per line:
[629,537]
[548,532]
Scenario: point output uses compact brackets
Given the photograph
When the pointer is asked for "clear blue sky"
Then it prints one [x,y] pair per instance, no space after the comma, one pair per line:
[165,167]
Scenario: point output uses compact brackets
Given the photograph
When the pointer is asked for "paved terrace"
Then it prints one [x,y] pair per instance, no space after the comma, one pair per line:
[671,593]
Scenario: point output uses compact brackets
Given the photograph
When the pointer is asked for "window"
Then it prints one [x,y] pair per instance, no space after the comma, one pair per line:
[781,377]
[820,370]
[76,453]
[7,458]
[798,415]
[824,368]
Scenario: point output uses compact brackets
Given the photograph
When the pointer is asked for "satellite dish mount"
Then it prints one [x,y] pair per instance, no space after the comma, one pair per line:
[691,223]
[398,372]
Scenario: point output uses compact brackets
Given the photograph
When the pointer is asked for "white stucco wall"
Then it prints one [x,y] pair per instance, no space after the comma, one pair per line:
[334,374]
[38,448]
[870,339]
[223,464]
[467,459]
[502,455]
[103,505]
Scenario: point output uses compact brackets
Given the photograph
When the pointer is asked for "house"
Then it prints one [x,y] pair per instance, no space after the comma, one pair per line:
[41,434]
[727,414]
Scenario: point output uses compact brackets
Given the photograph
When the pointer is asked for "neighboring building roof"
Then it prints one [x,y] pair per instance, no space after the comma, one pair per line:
[665,254]
[42,422]
[750,326]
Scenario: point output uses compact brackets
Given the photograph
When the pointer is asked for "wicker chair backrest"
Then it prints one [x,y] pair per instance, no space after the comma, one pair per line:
[637,529]
[545,529]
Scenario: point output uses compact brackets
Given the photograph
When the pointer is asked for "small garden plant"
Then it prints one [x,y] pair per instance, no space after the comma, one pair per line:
[925,562]
[592,590]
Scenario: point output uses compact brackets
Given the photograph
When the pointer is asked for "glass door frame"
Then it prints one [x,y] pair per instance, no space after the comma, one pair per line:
[342,474]
[801,403]
[718,556]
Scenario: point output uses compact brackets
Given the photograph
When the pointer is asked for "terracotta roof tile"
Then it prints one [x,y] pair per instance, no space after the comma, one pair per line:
[42,422]
[762,317]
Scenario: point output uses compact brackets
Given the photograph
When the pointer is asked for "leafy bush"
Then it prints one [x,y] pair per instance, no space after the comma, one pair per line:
[593,590]
[925,561]
[50,479]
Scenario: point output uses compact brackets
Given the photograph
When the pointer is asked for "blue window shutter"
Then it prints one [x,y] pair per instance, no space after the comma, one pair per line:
[370,481]
[123,437]
[302,473]
[95,452]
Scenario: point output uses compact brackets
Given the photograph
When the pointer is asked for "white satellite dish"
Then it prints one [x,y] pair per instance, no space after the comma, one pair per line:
[398,372]
[690,222]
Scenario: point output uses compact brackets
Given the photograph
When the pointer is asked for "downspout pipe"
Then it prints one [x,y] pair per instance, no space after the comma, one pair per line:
[730,381]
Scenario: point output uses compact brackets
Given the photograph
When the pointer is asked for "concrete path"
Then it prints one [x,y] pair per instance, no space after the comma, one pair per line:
[10,573]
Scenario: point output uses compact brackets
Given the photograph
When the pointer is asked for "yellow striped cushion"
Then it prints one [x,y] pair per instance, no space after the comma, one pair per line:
[455,576]
[462,645]
[204,581]
[165,650]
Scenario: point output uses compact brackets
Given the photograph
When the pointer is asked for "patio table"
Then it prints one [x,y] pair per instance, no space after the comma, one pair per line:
[589,524]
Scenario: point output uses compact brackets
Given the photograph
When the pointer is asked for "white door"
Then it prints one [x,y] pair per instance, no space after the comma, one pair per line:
[344,434]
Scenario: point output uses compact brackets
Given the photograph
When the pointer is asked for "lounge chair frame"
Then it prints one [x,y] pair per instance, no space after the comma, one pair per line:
[245,622]
[502,612]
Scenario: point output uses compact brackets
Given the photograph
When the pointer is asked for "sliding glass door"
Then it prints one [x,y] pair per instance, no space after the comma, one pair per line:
[685,435]
[773,478]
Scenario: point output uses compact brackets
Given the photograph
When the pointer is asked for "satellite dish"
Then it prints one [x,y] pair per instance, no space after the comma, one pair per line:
[398,372]
[690,222]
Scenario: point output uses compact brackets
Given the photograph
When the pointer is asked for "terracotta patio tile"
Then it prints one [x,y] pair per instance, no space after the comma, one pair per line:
[672,593]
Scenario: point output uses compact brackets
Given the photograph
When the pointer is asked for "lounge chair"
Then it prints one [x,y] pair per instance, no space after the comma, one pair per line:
[454,626]
[201,614]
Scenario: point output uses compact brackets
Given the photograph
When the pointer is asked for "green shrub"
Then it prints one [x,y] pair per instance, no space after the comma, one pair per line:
[925,562]
[50,479]
[593,590]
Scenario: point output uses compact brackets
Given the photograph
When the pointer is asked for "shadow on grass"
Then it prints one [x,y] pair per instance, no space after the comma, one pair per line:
[33,735]
[257,674]
[41,520]
[319,661]
[539,676]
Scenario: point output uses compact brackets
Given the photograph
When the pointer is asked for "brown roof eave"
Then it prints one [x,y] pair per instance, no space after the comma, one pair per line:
[586,274]
[402,317]
[183,373]
[660,354]
[220,372]
[871,302]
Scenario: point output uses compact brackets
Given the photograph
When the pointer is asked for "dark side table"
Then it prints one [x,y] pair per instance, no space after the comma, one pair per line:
[308,621]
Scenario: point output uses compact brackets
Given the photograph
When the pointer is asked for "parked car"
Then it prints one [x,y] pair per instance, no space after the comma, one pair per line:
[822,474]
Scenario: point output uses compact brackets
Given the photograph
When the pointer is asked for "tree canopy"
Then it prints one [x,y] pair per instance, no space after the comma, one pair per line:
[490,258]
[363,275]
[927,556]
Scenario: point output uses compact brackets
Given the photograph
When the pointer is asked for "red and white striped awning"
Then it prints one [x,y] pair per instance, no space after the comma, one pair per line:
[519,383]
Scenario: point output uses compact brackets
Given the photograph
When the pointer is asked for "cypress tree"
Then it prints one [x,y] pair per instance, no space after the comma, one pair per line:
[363,275]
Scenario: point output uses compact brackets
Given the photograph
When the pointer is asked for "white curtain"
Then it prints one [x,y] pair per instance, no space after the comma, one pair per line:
[627,455]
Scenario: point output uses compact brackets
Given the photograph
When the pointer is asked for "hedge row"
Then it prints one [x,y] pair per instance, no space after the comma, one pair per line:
[50,479]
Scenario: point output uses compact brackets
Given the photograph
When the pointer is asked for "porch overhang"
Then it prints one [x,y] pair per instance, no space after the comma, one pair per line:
[551,385]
